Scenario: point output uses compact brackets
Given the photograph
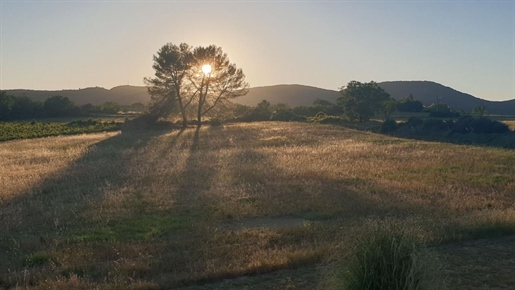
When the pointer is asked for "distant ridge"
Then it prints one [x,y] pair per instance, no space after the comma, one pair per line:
[123,95]
[294,95]
[430,92]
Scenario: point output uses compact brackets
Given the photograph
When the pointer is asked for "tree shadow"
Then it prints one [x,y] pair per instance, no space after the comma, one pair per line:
[42,218]
[210,176]
[494,140]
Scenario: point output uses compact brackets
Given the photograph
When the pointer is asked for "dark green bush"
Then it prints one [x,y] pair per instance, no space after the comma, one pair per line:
[482,125]
[389,125]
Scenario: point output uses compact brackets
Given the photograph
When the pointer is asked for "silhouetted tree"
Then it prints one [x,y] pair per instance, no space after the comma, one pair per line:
[408,104]
[6,104]
[110,108]
[361,101]
[58,106]
[168,89]
[180,81]
[388,107]
[223,82]
[137,107]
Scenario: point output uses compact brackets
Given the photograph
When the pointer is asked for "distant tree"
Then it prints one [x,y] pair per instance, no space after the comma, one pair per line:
[388,107]
[137,107]
[361,101]
[479,111]
[25,108]
[408,104]
[87,109]
[320,102]
[282,112]
[110,108]
[58,106]
[6,104]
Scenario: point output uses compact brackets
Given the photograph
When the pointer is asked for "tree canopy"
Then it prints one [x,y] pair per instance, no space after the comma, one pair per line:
[193,81]
[361,101]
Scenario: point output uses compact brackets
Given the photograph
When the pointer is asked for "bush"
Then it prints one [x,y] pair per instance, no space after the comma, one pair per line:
[443,114]
[414,123]
[388,126]
[435,125]
[482,125]
[387,258]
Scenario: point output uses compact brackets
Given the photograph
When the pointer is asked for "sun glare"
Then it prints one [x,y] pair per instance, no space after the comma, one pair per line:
[206,69]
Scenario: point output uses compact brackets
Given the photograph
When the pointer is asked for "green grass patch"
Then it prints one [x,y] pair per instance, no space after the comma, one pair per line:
[141,228]
[18,130]
[38,259]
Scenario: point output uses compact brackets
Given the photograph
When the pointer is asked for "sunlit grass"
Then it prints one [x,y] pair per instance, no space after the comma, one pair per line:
[180,207]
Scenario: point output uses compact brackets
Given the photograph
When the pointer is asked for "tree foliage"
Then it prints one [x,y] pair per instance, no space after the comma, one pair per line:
[180,86]
[479,111]
[361,101]
[408,104]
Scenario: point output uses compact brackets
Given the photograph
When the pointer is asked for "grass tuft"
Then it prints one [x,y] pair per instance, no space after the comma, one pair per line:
[388,257]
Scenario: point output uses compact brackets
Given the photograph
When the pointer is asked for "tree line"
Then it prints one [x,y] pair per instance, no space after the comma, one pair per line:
[22,108]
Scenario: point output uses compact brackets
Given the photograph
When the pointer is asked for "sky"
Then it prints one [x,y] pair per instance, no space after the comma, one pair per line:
[466,45]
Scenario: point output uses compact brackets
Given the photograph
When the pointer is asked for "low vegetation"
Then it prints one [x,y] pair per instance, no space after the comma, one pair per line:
[156,209]
[387,257]
[34,129]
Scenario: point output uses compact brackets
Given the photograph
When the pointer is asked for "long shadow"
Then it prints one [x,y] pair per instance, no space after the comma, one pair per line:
[261,187]
[504,140]
[42,220]
[37,220]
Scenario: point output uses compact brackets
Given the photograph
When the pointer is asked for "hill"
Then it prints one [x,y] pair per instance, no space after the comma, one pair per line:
[431,92]
[423,91]
[123,95]
[293,95]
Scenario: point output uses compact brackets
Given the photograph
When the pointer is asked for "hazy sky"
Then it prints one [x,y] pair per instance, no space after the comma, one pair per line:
[467,45]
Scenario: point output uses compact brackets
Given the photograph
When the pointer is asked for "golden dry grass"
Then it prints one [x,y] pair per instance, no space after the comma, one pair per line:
[511,124]
[157,209]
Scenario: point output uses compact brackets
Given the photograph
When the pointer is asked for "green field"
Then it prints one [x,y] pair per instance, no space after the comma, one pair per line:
[27,130]
[281,202]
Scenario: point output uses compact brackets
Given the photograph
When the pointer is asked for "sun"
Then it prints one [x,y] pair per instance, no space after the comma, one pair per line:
[206,69]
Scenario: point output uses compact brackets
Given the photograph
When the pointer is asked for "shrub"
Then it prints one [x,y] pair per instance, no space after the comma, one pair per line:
[435,125]
[443,114]
[482,125]
[414,123]
[387,258]
[388,126]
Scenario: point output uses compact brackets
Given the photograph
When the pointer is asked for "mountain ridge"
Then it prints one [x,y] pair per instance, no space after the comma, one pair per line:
[427,92]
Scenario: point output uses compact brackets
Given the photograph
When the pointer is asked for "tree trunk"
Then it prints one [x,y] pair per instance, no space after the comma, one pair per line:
[183,113]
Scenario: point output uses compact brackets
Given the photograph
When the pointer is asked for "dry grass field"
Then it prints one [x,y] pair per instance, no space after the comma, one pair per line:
[153,210]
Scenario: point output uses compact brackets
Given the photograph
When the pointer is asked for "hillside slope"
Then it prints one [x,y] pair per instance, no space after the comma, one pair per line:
[124,95]
[431,92]
[293,95]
